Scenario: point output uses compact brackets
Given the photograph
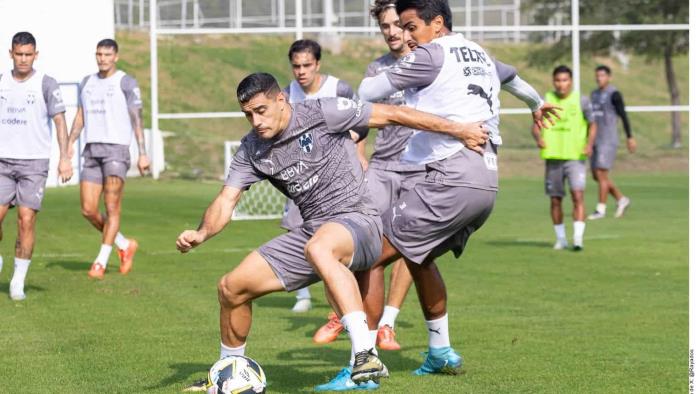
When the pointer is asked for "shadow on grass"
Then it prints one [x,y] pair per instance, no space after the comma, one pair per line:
[520,242]
[69,265]
[182,375]
[28,288]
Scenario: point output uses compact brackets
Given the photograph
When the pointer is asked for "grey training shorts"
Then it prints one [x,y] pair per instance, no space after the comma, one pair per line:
[103,160]
[603,157]
[22,182]
[286,253]
[386,186]
[557,171]
[292,218]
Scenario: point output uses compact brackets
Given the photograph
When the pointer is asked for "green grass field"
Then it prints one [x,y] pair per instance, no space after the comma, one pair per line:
[610,319]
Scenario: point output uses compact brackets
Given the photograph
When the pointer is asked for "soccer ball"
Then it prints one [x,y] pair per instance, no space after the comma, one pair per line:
[236,375]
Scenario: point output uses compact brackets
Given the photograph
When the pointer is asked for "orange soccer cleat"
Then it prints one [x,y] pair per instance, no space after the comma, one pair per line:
[96,271]
[386,339]
[126,256]
[329,331]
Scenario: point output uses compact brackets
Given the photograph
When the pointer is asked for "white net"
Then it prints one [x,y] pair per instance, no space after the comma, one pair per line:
[261,201]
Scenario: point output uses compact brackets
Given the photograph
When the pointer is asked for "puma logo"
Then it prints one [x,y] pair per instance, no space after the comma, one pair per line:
[435,331]
[478,91]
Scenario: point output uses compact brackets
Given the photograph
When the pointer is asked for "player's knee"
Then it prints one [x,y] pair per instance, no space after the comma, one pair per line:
[90,212]
[25,221]
[314,252]
[230,291]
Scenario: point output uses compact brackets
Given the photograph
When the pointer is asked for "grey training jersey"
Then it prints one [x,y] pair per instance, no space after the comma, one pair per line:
[391,140]
[605,116]
[26,109]
[312,161]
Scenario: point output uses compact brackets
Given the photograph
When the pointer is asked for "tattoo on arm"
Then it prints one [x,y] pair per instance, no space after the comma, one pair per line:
[136,116]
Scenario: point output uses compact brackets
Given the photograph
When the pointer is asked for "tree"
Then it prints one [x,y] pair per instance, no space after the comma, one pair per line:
[662,45]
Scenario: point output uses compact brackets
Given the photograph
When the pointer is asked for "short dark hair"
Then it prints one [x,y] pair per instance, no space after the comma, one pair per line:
[604,68]
[380,6]
[108,43]
[427,10]
[23,38]
[563,69]
[310,46]
[256,83]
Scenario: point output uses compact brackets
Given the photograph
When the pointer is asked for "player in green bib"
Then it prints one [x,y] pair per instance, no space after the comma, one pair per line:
[564,147]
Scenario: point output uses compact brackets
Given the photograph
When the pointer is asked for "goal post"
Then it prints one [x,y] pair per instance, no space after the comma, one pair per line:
[262,201]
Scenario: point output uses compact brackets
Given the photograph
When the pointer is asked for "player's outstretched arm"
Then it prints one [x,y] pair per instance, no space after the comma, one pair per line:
[536,133]
[65,170]
[136,117]
[214,220]
[77,126]
[541,112]
[473,135]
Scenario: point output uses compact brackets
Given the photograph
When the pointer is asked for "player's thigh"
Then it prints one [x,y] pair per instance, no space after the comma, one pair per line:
[334,238]
[253,277]
[554,178]
[576,173]
[90,192]
[113,189]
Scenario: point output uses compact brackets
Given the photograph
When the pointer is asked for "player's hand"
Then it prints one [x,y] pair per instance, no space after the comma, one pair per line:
[632,145]
[65,170]
[541,143]
[188,240]
[473,135]
[546,114]
[143,164]
[588,150]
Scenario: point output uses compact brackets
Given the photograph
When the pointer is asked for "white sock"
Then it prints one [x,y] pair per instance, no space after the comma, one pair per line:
[560,231]
[303,294]
[438,332]
[0,263]
[578,232]
[103,256]
[601,208]
[21,266]
[389,316]
[121,241]
[356,325]
[226,351]
[373,339]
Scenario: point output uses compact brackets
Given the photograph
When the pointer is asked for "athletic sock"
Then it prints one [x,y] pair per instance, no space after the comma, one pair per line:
[438,332]
[389,316]
[356,325]
[103,256]
[226,351]
[21,266]
[601,208]
[303,294]
[578,232]
[121,241]
[560,232]
[373,340]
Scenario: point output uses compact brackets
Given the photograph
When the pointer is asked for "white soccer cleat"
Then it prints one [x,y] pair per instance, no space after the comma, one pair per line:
[621,207]
[596,215]
[17,292]
[560,244]
[302,305]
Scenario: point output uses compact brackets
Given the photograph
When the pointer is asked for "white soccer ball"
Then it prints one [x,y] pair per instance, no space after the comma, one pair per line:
[236,375]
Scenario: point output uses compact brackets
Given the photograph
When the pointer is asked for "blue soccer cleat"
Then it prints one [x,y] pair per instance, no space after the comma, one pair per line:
[442,360]
[342,382]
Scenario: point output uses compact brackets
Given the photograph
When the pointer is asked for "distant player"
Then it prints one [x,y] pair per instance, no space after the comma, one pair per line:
[306,152]
[29,100]
[564,147]
[387,176]
[309,83]
[110,111]
[453,77]
[607,105]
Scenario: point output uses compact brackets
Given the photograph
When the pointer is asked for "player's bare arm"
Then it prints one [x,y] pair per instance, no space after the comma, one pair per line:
[536,133]
[75,131]
[65,170]
[214,220]
[136,117]
[591,134]
[473,135]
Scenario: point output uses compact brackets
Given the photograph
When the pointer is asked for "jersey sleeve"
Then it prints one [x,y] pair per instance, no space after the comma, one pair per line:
[343,89]
[241,173]
[371,70]
[130,89]
[52,96]
[587,109]
[342,114]
[80,88]
[417,69]
[617,101]
[506,72]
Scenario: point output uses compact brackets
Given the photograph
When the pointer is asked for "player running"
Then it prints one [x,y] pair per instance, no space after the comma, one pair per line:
[607,105]
[305,151]
[564,147]
[29,99]
[110,111]
[387,176]
[453,77]
[309,84]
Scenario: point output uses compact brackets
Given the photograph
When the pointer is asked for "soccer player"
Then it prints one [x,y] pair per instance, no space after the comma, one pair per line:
[387,176]
[564,147]
[309,83]
[305,150]
[29,100]
[607,105]
[453,77]
[110,111]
